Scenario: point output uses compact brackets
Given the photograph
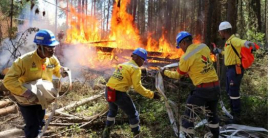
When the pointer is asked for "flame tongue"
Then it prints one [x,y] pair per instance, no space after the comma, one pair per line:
[86,29]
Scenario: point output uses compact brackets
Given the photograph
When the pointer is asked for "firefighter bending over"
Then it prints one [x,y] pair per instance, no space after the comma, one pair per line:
[126,75]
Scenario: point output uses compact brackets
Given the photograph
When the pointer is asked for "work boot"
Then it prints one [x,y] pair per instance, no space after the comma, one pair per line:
[106,132]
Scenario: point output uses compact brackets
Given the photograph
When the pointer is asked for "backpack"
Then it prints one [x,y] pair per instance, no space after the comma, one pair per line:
[247,58]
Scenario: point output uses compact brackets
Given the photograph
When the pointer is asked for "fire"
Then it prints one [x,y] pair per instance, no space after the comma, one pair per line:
[84,29]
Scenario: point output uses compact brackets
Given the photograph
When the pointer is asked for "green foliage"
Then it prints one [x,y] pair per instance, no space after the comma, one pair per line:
[256,36]
[5,7]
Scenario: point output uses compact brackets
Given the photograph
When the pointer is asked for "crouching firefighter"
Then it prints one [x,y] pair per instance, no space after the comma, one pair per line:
[30,81]
[126,75]
[196,62]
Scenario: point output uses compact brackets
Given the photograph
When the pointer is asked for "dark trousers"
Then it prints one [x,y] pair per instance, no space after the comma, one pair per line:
[124,102]
[233,82]
[33,116]
[207,97]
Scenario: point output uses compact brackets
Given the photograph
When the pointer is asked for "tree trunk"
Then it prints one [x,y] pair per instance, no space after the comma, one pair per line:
[108,15]
[258,14]
[134,9]
[232,13]
[168,18]
[149,23]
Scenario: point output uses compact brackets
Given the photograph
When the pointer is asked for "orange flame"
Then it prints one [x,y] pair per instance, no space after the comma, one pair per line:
[84,29]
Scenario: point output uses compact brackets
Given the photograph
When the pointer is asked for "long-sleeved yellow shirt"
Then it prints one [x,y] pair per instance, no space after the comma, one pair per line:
[197,63]
[30,67]
[230,57]
[126,75]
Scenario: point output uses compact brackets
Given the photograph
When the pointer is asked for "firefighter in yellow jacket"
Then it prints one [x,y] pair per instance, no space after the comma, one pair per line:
[235,70]
[39,64]
[126,75]
[196,62]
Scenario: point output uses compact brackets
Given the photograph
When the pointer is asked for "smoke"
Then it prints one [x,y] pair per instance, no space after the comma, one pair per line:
[26,20]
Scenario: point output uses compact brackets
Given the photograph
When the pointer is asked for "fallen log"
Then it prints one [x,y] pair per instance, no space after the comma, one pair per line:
[63,124]
[11,133]
[5,102]
[7,110]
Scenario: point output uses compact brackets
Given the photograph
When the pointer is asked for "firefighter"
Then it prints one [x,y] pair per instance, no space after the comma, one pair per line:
[235,70]
[197,63]
[38,64]
[126,75]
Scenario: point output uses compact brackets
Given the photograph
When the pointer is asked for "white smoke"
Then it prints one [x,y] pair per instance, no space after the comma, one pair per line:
[27,19]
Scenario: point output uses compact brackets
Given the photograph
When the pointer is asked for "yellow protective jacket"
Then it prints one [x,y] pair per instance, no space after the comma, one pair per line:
[197,63]
[30,67]
[126,75]
[230,57]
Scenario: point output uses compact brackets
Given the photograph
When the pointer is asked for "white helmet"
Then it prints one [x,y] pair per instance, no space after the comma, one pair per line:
[224,25]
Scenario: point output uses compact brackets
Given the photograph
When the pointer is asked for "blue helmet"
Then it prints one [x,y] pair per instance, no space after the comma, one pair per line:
[140,52]
[181,36]
[45,37]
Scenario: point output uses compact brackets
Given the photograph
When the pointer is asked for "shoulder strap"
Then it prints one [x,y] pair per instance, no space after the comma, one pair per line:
[235,50]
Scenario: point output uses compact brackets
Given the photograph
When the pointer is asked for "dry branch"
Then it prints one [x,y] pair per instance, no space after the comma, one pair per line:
[7,110]
[11,133]
[87,123]
[78,103]
[62,124]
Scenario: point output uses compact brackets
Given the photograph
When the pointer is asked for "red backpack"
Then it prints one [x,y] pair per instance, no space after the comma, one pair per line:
[247,58]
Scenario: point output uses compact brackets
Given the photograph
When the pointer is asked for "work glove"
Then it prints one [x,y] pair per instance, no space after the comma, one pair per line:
[156,96]
[30,96]
[217,50]
[250,44]
[161,70]
[63,71]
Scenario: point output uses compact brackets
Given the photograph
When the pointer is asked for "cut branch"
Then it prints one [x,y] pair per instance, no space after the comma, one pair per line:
[78,103]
